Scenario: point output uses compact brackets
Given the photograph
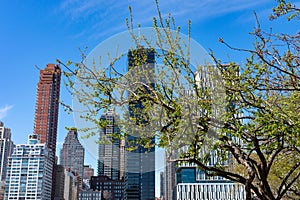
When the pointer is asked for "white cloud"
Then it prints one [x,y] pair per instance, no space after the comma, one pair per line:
[114,8]
[103,17]
[4,110]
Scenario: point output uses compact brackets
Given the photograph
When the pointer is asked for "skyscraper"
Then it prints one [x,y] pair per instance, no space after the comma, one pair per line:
[29,171]
[109,150]
[140,163]
[6,148]
[46,110]
[72,154]
[111,160]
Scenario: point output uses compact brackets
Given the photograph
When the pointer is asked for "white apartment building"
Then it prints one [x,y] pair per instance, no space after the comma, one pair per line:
[29,171]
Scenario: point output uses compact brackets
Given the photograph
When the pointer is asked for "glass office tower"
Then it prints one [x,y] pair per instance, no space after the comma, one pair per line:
[140,163]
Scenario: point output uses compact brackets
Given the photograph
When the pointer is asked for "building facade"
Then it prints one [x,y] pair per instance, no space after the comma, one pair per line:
[170,179]
[111,160]
[47,104]
[140,162]
[88,172]
[110,189]
[210,191]
[66,184]
[2,189]
[109,149]
[71,187]
[193,183]
[29,171]
[6,148]
[89,195]
[46,110]
[59,182]
[72,154]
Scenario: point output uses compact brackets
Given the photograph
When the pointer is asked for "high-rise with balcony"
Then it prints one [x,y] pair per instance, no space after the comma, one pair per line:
[29,171]
[47,103]
[46,110]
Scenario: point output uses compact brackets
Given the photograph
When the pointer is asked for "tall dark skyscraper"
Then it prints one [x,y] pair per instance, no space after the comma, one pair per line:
[46,109]
[140,163]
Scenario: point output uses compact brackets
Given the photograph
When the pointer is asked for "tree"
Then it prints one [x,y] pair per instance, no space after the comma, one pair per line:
[248,115]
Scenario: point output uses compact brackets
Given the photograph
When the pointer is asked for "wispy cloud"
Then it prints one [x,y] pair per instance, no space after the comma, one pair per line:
[250,17]
[4,110]
[206,9]
[109,16]
[196,9]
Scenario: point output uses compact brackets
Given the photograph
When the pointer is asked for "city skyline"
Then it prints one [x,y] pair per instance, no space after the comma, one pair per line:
[56,30]
[205,29]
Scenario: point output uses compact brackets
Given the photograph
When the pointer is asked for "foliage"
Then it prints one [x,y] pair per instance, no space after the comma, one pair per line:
[248,115]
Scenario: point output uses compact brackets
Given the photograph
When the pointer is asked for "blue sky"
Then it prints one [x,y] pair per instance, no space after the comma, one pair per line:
[34,33]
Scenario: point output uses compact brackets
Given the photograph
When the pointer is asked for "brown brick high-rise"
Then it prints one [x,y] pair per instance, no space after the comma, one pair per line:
[46,110]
